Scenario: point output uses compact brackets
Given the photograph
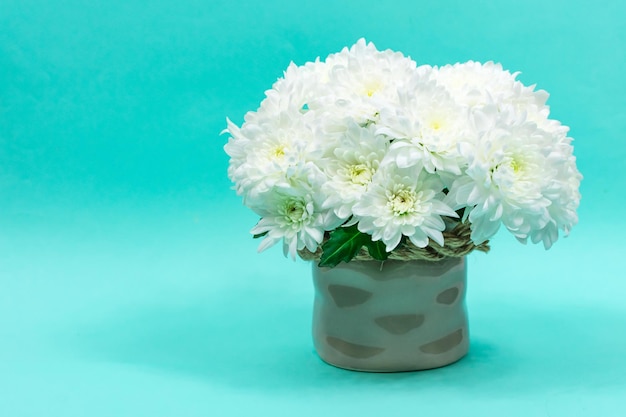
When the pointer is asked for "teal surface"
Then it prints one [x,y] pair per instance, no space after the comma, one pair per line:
[129,285]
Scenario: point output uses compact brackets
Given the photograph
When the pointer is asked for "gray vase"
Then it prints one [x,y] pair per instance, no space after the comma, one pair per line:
[391,317]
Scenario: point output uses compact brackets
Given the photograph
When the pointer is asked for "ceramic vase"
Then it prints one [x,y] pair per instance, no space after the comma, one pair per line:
[391,316]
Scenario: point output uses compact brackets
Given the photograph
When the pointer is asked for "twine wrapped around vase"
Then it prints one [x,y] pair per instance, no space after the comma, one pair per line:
[457,244]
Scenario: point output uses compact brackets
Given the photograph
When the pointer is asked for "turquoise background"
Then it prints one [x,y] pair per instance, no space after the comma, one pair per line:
[129,285]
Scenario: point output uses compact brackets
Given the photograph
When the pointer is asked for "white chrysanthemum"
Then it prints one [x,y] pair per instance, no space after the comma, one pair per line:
[270,152]
[563,192]
[476,85]
[295,92]
[294,215]
[519,176]
[426,128]
[403,202]
[363,80]
[350,168]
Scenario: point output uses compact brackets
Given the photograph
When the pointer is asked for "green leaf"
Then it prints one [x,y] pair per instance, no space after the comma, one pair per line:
[342,245]
[377,250]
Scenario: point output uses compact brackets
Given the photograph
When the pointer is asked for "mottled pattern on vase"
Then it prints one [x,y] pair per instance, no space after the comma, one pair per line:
[345,296]
[352,349]
[448,296]
[405,316]
[400,323]
[444,344]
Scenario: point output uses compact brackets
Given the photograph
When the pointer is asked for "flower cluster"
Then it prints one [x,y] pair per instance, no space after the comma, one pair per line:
[368,139]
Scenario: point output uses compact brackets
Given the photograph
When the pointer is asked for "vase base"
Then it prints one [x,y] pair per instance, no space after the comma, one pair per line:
[390,371]
[394,365]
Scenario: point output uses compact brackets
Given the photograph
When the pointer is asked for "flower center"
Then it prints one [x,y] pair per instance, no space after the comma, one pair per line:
[372,88]
[278,152]
[435,125]
[360,174]
[295,211]
[516,165]
[402,202]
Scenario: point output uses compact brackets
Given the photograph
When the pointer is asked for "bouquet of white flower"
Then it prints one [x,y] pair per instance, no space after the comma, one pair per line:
[367,152]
